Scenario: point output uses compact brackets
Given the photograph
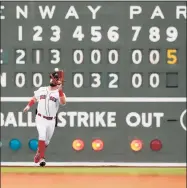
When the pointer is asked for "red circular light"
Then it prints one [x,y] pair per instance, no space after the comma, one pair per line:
[78,145]
[97,145]
[156,145]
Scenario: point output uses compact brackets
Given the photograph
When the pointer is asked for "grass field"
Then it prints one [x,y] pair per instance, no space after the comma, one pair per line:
[96,170]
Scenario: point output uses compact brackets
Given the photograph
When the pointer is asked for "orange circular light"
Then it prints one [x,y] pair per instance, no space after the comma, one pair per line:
[136,145]
[97,145]
[78,145]
[156,145]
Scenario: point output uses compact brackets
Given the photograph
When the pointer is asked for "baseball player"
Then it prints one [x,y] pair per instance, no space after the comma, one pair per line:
[49,98]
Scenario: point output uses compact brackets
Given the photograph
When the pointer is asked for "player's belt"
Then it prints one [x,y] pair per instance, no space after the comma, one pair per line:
[48,118]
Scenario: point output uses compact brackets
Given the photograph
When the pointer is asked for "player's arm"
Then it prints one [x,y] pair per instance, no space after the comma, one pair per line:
[30,104]
[62,96]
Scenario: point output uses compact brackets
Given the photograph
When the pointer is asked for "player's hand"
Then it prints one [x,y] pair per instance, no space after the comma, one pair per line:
[26,108]
[60,87]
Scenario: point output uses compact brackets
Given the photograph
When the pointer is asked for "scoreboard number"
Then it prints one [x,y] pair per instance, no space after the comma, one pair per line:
[78,80]
[172,34]
[55,56]
[154,80]
[154,56]
[20,80]
[38,30]
[96,34]
[78,56]
[172,56]
[56,31]
[113,56]
[37,79]
[96,80]
[137,56]
[112,34]
[154,33]
[113,80]
[96,56]
[137,80]
[20,53]
[78,34]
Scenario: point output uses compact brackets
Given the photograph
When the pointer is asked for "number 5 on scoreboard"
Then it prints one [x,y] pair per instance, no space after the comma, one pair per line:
[171,56]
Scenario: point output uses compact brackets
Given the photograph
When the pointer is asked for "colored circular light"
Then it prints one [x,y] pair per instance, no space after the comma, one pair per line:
[33,144]
[78,145]
[156,145]
[136,145]
[15,144]
[97,145]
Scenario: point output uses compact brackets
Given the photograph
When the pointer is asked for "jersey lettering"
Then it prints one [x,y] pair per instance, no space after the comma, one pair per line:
[42,97]
[53,99]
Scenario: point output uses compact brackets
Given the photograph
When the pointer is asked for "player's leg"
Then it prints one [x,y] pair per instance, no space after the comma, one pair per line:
[50,132]
[42,130]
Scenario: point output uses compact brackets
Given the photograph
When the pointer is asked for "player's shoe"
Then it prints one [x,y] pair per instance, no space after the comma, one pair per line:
[37,157]
[42,162]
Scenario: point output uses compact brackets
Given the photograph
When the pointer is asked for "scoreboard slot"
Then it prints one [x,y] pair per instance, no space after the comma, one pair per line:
[96,79]
[113,80]
[37,56]
[78,80]
[55,56]
[113,56]
[78,56]
[20,56]
[172,56]
[95,56]
[172,80]
[20,80]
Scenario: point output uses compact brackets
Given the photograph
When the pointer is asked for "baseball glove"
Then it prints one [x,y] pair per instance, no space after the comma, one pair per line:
[58,77]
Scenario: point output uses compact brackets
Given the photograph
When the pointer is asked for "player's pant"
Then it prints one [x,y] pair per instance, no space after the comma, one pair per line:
[45,132]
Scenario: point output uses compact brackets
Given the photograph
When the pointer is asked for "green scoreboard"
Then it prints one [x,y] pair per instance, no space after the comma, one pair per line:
[125,71]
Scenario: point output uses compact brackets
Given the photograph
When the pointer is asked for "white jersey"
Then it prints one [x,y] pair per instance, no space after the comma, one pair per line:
[48,101]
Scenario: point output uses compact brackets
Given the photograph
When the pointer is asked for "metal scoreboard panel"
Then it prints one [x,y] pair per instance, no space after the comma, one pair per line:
[115,126]
[106,51]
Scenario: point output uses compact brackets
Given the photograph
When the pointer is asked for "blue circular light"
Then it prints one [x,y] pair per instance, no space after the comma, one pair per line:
[15,144]
[33,144]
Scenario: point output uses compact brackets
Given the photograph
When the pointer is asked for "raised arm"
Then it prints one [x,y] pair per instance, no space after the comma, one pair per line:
[62,96]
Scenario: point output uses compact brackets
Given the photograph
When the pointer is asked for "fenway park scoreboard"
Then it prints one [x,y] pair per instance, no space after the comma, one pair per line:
[126,60]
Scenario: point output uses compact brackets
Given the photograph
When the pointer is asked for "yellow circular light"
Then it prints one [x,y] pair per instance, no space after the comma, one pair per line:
[78,145]
[97,145]
[136,145]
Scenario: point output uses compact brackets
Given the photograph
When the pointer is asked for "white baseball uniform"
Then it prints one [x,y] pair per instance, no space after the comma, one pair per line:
[48,105]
